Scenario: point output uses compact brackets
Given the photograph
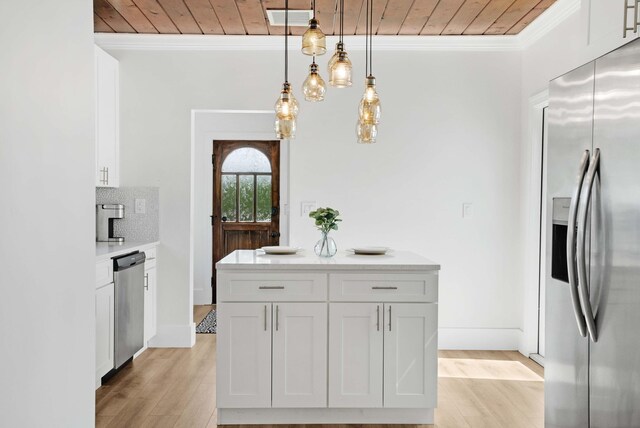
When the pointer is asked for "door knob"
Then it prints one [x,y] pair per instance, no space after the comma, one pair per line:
[275,234]
[224,218]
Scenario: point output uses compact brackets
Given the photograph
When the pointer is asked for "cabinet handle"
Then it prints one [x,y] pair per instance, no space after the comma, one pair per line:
[265,317]
[389,317]
[271,287]
[383,288]
[146,281]
[107,179]
[378,318]
[277,317]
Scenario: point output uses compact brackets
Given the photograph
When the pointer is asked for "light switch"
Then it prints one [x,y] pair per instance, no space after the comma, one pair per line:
[140,206]
[467,210]
[306,207]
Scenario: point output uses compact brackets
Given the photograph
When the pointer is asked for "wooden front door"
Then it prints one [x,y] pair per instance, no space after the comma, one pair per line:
[246,197]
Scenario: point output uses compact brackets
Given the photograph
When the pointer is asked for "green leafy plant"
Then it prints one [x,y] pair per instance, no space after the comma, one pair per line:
[326,219]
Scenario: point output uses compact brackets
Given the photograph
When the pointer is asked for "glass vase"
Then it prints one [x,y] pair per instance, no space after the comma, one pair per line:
[326,246]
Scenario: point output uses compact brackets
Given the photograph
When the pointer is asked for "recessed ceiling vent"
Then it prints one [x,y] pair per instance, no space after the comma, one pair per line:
[297,18]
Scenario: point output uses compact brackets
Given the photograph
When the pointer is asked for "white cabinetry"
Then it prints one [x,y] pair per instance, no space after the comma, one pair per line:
[410,355]
[308,342]
[104,302]
[605,22]
[150,296]
[244,351]
[107,119]
[355,354]
[275,355]
[371,342]
[299,355]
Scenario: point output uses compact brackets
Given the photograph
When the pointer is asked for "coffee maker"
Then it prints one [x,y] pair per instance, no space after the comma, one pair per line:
[105,214]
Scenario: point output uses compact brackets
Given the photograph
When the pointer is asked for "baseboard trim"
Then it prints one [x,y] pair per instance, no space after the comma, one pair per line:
[324,416]
[490,339]
[174,336]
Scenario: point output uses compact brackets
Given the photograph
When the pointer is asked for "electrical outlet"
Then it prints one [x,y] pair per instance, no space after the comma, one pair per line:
[306,207]
[467,210]
[140,206]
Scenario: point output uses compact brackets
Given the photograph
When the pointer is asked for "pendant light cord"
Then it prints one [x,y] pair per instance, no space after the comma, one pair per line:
[286,41]
[370,19]
[366,42]
[341,21]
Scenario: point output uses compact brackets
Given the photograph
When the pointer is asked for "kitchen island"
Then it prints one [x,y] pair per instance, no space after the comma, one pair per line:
[310,340]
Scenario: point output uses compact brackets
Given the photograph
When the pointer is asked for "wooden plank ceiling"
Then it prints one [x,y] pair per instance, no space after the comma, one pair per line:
[391,17]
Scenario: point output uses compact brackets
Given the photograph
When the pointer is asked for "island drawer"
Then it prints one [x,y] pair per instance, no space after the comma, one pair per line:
[271,287]
[384,287]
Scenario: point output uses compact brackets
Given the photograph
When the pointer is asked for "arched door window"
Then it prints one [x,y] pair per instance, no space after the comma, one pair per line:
[246,186]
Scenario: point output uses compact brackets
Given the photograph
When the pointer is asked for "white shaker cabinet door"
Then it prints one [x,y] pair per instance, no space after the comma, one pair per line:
[299,355]
[410,355]
[244,351]
[104,330]
[107,119]
[355,354]
[150,304]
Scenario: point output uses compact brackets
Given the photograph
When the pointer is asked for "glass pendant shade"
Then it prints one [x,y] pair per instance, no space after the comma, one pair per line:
[314,41]
[340,71]
[369,110]
[286,113]
[314,87]
[366,132]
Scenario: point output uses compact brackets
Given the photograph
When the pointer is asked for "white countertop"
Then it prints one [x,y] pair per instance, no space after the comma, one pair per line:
[107,250]
[307,260]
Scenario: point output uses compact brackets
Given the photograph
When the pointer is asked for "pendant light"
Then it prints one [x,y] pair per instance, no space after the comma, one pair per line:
[369,109]
[339,64]
[287,106]
[314,41]
[314,87]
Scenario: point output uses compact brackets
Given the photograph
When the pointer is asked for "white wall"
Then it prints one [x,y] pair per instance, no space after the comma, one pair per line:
[47,250]
[449,135]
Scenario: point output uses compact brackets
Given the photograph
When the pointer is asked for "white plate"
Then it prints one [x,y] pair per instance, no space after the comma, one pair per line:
[280,250]
[371,251]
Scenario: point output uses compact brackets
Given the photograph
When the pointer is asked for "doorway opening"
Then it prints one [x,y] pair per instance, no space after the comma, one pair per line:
[246,198]
[538,356]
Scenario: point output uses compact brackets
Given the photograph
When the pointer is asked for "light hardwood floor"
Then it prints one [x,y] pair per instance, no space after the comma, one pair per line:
[176,388]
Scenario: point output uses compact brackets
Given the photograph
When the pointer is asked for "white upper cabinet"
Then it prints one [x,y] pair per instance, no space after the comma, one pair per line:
[355,354]
[410,349]
[107,119]
[244,350]
[605,22]
[299,355]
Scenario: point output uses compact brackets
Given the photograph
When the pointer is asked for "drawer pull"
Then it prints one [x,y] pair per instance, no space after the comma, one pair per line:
[271,287]
[383,288]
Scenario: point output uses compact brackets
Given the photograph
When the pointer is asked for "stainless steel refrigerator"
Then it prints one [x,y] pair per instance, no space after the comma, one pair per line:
[592,361]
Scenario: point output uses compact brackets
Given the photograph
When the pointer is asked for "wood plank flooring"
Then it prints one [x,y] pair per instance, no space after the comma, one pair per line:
[168,387]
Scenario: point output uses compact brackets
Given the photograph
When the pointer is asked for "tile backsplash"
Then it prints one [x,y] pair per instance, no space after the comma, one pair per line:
[134,227]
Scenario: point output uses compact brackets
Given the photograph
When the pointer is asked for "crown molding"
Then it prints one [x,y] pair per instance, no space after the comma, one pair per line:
[199,42]
[552,17]
[547,21]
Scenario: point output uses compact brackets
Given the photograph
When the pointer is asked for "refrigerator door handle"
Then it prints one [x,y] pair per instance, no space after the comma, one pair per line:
[571,245]
[581,256]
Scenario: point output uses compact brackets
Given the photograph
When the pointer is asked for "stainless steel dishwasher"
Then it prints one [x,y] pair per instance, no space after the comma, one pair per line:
[129,306]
